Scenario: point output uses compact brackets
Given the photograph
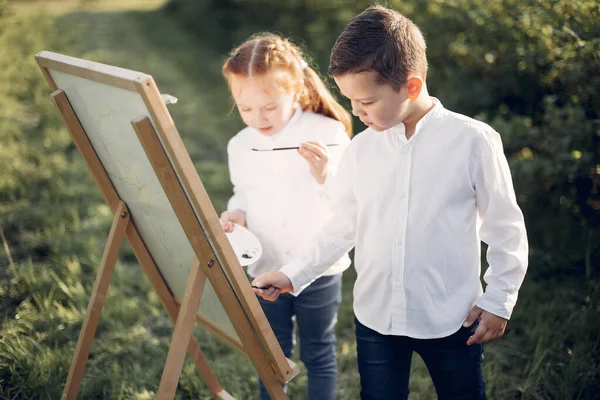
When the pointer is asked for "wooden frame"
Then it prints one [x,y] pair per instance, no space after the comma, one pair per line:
[215,259]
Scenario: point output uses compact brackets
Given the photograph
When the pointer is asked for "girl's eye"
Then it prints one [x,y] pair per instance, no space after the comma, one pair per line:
[244,109]
[270,108]
[367,103]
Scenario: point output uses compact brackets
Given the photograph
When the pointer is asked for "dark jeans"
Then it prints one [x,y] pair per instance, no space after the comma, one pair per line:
[316,315]
[384,364]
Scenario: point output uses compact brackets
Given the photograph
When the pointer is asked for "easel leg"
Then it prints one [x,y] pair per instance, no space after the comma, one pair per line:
[184,188]
[205,371]
[168,302]
[139,248]
[183,332]
[92,316]
[144,127]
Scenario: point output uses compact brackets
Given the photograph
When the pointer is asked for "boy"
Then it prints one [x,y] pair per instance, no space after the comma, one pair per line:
[416,193]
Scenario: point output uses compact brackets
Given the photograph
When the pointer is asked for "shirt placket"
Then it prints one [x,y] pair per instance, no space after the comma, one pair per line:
[280,196]
[399,239]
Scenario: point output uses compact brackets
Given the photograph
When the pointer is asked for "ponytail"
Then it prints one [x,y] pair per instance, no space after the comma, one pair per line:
[317,98]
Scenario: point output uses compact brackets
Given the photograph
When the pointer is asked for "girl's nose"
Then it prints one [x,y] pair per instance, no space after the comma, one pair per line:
[260,116]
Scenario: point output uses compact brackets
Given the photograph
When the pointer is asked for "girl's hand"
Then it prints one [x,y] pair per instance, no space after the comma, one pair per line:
[317,156]
[228,218]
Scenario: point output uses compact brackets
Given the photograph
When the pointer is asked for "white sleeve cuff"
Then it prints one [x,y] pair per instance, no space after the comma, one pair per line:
[326,187]
[236,203]
[296,275]
[501,306]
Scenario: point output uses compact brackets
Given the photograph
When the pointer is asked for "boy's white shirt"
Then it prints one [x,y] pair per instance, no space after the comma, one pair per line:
[416,210]
[284,204]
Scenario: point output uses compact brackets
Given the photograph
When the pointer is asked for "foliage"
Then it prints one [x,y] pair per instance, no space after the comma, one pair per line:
[530,68]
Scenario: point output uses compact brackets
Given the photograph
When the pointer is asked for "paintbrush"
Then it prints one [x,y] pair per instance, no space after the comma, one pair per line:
[289,148]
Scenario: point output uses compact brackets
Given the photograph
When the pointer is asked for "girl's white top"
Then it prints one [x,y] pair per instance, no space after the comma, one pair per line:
[284,204]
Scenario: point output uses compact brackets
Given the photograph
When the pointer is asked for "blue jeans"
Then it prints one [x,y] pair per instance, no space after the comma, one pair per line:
[316,315]
[384,364]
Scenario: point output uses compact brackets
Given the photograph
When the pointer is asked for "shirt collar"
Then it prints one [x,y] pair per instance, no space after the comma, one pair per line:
[431,115]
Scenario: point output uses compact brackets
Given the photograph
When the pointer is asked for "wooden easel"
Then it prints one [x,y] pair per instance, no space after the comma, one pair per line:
[214,261]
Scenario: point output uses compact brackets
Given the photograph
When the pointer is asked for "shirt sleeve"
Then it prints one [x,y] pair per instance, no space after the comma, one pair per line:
[238,200]
[342,138]
[337,235]
[502,228]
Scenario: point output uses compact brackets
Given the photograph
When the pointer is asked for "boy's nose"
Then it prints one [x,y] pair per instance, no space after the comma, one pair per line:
[356,111]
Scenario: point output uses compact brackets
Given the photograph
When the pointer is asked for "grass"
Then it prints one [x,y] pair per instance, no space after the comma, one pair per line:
[55,223]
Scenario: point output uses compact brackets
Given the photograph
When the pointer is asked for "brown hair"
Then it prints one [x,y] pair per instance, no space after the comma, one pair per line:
[267,52]
[382,40]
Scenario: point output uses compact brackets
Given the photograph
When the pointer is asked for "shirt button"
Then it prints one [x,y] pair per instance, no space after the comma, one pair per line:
[402,195]
[283,224]
[398,285]
[399,242]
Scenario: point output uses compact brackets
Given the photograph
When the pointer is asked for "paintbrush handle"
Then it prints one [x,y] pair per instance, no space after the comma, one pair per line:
[284,148]
[290,148]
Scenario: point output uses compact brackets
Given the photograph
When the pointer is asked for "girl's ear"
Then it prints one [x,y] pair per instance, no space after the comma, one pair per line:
[414,85]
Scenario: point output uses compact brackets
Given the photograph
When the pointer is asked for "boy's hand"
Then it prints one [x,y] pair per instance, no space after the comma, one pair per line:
[317,156]
[228,218]
[272,284]
[490,327]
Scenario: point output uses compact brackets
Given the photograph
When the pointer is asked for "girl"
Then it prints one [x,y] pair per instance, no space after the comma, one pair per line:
[282,195]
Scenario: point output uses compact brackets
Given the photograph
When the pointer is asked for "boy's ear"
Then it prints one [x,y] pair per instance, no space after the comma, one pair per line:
[414,85]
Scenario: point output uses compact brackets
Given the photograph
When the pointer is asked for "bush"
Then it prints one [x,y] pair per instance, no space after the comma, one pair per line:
[528,68]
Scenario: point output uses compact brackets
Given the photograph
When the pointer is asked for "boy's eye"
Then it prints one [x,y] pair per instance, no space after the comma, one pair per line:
[270,108]
[244,109]
[368,103]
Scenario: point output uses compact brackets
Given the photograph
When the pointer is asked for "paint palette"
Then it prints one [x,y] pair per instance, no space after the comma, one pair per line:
[246,246]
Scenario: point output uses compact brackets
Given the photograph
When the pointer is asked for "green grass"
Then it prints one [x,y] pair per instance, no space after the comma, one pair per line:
[55,222]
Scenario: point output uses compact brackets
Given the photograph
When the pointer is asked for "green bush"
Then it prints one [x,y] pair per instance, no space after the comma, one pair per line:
[529,68]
